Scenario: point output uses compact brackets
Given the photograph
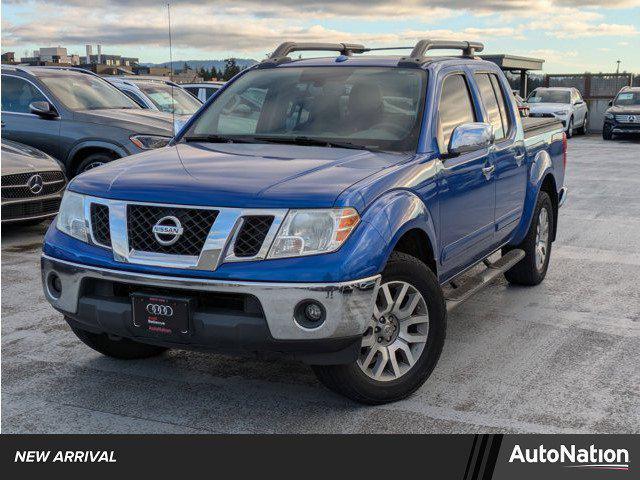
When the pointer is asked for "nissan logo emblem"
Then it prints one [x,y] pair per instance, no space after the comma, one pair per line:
[157,309]
[35,184]
[167,230]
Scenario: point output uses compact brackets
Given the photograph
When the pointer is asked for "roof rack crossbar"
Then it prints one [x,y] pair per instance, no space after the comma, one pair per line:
[281,54]
[417,56]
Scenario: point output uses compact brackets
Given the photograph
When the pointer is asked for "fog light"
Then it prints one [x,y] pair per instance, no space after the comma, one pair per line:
[313,311]
[55,285]
[309,314]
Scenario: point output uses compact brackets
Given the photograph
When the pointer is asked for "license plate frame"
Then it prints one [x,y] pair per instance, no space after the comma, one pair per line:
[160,315]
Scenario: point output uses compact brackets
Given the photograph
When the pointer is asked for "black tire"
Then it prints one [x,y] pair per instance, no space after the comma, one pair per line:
[606,133]
[585,124]
[570,128]
[93,160]
[526,272]
[122,348]
[352,382]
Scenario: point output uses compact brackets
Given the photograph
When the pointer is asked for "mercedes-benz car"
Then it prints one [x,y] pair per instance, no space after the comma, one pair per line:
[623,115]
[32,184]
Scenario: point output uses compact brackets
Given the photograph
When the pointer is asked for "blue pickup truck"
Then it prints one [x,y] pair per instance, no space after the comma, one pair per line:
[324,209]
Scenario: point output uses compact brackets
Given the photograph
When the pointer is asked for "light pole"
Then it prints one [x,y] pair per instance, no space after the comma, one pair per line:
[618,67]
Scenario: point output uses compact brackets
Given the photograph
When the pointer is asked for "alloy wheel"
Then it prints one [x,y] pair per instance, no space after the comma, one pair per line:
[542,238]
[397,334]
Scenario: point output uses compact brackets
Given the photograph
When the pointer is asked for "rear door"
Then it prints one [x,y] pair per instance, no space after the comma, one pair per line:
[507,156]
[467,195]
[19,124]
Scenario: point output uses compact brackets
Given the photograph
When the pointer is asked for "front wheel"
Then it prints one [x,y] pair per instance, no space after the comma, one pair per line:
[606,132]
[532,269]
[403,340]
[93,161]
[570,128]
[585,126]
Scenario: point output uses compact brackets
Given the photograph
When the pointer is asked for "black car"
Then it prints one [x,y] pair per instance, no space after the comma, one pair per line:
[623,115]
[32,184]
[77,117]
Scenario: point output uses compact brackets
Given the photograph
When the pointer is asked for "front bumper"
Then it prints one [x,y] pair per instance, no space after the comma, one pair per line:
[348,305]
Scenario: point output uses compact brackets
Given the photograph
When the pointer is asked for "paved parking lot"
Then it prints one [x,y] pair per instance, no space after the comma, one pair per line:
[561,357]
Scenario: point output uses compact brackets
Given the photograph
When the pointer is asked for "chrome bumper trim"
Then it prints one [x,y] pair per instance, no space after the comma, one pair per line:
[349,305]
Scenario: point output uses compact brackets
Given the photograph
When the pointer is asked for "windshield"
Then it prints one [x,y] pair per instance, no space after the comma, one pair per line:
[80,91]
[627,98]
[364,107]
[170,99]
[550,96]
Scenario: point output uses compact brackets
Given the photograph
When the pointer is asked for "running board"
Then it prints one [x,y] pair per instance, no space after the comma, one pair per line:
[476,283]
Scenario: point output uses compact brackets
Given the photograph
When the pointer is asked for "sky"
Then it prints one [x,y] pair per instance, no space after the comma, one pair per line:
[570,35]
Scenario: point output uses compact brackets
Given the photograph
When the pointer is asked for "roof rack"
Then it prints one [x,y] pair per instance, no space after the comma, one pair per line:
[281,54]
[417,56]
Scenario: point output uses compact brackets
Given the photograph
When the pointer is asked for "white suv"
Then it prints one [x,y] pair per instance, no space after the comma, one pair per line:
[564,103]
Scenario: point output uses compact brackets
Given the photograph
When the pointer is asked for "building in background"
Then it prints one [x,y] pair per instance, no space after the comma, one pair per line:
[9,58]
[51,56]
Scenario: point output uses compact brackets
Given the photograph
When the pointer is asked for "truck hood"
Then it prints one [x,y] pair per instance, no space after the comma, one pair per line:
[548,107]
[137,120]
[235,175]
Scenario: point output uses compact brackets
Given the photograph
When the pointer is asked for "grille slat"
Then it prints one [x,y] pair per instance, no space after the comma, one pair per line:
[195,222]
[100,224]
[251,236]
[15,211]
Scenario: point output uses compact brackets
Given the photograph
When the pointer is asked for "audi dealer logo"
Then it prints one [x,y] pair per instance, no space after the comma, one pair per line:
[160,310]
[35,184]
[167,230]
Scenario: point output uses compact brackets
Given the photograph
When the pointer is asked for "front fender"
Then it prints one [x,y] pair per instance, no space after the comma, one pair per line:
[542,166]
[393,215]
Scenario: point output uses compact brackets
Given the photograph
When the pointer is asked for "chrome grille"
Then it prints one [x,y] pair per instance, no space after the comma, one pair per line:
[100,224]
[251,235]
[36,208]
[15,186]
[628,118]
[195,222]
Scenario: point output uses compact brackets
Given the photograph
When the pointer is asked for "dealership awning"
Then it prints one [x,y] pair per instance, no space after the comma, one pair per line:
[513,63]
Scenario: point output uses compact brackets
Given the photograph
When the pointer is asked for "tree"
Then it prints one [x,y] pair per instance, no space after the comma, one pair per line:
[231,69]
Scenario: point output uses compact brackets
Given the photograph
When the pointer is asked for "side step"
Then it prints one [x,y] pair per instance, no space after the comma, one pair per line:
[476,283]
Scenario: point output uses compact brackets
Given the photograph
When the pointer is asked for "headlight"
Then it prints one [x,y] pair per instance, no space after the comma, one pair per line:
[149,142]
[71,219]
[561,112]
[309,232]
[609,116]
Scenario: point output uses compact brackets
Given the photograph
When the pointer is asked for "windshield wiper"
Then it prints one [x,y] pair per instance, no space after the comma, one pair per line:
[310,141]
[218,139]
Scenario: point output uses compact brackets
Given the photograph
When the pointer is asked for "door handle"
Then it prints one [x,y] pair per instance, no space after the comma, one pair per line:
[488,171]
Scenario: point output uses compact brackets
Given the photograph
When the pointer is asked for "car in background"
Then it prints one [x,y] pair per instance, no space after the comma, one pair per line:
[203,90]
[623,115]
[158,94]
[564,103]
[32,184]
[77,117]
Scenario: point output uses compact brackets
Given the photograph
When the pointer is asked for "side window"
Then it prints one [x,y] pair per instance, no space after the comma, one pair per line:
[456,108]
[135,98]
[490,102]
[17,94]
[209,92]
[192,90]
[506,117]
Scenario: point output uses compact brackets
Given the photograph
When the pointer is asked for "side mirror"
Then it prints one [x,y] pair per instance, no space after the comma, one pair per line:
[470,137]
[610,103]
[579,102]
[43,109]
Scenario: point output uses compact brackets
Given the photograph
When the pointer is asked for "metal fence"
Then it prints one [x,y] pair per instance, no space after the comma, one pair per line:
[596,88]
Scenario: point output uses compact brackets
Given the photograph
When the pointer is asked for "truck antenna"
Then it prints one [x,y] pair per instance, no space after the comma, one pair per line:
[173,102]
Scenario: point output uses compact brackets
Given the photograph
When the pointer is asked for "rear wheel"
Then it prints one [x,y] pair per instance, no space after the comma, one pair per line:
[121,348]
[532,269]
[403,340]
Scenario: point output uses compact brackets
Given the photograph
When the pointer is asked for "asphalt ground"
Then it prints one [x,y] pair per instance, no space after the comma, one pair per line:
[560,357]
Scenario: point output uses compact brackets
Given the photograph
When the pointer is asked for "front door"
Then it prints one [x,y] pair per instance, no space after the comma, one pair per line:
[466,184]
[19,124]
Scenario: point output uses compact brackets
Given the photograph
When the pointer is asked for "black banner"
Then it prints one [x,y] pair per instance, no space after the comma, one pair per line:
[456,457]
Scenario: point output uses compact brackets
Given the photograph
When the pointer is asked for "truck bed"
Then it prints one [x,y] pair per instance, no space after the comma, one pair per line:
[537,126]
